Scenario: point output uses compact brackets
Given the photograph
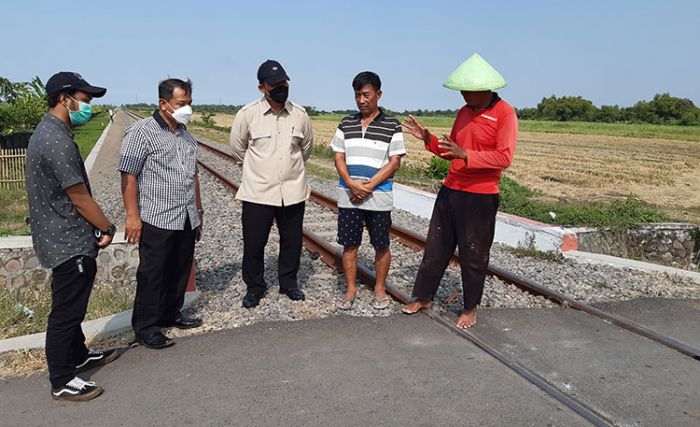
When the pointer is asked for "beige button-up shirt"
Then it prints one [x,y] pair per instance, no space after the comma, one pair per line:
[273,148]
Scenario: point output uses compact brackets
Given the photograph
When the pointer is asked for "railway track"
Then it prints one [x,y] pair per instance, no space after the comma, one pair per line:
[316,236]
[417,242]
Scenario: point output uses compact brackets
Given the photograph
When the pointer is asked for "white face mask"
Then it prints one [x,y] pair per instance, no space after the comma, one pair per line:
[182,114]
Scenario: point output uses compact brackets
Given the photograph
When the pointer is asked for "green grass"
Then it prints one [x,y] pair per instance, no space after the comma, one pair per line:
[87,135]
[638,130]
[522,201]
[13,212]
[13,202]
[329,117]
[201,124]
[619,213]
[14,321]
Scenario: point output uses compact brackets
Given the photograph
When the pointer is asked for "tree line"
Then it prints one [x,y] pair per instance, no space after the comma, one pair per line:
[662,109]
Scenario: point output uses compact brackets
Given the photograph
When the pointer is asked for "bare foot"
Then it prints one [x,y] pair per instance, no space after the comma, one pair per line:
[467,319]
[416,306]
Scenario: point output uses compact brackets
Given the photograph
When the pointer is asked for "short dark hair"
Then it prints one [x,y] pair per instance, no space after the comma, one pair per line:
[53,99]
[167,87]
[366,78]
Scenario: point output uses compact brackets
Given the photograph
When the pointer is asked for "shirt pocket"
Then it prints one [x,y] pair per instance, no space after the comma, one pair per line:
[296,141]
[260,140]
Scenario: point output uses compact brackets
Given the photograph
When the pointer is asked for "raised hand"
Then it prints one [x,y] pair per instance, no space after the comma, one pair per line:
[413,126]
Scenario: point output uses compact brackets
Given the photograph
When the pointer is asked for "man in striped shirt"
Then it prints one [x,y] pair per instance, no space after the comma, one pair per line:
[368,148]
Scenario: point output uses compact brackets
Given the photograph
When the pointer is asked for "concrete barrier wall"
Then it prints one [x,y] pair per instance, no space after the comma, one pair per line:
[20,268]
[673,244]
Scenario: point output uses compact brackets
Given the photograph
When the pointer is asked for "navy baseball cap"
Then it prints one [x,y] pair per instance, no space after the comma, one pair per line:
[271,72]
[67,80]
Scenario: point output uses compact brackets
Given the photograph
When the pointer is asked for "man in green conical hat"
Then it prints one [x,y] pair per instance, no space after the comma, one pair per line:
[480,146]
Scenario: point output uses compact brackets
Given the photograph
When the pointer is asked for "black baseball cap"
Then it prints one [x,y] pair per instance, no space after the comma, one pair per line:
[67,80]
[271,72]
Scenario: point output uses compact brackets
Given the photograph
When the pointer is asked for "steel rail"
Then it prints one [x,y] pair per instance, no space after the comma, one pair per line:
[332,257]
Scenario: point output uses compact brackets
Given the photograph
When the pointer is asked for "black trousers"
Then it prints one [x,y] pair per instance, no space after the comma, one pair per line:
[257,222]
[166,258]
[466,221]
[71,285]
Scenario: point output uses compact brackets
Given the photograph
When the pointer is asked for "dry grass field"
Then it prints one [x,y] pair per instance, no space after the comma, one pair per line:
[579,167]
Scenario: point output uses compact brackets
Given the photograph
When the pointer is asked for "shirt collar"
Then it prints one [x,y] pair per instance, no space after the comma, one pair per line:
[267,107]
[59,123]
[163,124]
[380,116]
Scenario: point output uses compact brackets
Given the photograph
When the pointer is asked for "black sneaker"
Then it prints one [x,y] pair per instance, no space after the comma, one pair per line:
[77,389]
[97,358]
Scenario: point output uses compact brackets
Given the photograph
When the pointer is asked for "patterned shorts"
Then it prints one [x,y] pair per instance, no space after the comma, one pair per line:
[351,222]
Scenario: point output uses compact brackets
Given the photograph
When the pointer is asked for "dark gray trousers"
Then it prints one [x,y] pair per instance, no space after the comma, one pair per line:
[465,221]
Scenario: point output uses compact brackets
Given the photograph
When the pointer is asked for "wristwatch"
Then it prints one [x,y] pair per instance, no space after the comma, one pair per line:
[111,230]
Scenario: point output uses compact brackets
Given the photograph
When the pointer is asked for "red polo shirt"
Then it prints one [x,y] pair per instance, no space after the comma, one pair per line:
[489,139]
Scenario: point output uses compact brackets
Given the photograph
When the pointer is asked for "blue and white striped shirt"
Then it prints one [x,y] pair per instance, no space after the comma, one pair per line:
[365,154]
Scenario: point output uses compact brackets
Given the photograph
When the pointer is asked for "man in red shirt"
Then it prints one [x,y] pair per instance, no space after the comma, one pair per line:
[480,146]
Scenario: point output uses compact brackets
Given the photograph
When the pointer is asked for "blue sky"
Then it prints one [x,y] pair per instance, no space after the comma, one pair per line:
[611,52]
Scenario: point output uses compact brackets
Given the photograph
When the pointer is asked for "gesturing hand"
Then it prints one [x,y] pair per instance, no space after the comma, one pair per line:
[450,149]
[413,126]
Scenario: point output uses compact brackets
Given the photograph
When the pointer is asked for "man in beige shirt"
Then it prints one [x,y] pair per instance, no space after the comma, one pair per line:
[272,137]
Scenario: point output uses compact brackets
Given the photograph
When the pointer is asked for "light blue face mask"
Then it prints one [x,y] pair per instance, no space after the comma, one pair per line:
[83,115]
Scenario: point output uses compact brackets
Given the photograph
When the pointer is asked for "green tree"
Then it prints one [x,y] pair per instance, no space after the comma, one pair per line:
[566,108]
[22,104]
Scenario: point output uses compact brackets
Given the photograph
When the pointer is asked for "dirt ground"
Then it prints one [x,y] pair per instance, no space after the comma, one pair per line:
[571,167]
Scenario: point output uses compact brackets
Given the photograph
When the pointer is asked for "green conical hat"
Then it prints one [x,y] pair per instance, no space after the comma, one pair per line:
[475,74]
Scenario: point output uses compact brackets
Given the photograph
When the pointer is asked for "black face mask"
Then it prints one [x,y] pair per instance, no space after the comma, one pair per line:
[280,94]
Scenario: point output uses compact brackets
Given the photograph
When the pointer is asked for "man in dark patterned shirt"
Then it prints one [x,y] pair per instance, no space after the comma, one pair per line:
[68,228]
[164,212]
